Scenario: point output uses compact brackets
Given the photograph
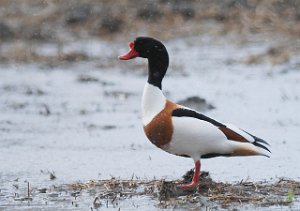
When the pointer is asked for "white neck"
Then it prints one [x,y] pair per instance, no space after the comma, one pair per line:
[153,101]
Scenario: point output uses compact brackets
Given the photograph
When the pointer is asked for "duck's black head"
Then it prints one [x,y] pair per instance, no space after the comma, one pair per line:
[157,56]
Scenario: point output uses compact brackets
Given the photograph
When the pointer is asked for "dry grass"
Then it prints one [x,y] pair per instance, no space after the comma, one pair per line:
[59,21]
[217,193]
[25,52]
[53,19]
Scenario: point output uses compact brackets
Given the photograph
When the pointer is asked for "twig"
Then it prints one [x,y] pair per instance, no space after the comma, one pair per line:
[28,192]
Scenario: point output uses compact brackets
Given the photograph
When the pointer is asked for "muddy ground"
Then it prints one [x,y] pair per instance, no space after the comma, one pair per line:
[135,194]
[62,126]
[70,128]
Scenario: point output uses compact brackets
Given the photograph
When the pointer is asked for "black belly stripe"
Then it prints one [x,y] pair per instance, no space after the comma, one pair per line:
[186,156]
[212,155]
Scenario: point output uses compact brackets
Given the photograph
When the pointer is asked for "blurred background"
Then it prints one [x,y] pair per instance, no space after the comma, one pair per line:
[70,110]
[25,25]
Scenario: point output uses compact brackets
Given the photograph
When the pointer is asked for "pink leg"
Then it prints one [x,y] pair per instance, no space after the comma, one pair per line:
[195,180]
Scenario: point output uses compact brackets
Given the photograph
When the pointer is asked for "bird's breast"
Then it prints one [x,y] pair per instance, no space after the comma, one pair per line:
[160,130]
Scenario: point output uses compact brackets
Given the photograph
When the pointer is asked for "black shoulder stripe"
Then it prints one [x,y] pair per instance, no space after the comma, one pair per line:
[182,112]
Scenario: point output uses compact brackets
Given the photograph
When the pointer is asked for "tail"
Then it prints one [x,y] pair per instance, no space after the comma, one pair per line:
[258,147]
[262,145]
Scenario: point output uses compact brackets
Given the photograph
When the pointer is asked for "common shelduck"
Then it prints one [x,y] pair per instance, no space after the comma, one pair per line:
[180,130]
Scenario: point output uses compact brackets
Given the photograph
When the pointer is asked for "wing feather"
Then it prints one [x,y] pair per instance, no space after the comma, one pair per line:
[232,132]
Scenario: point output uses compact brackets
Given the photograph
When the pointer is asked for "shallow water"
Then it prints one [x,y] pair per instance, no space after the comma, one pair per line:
[52,121]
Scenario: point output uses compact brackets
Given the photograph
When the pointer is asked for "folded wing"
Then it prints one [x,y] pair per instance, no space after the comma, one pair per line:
[231,132]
